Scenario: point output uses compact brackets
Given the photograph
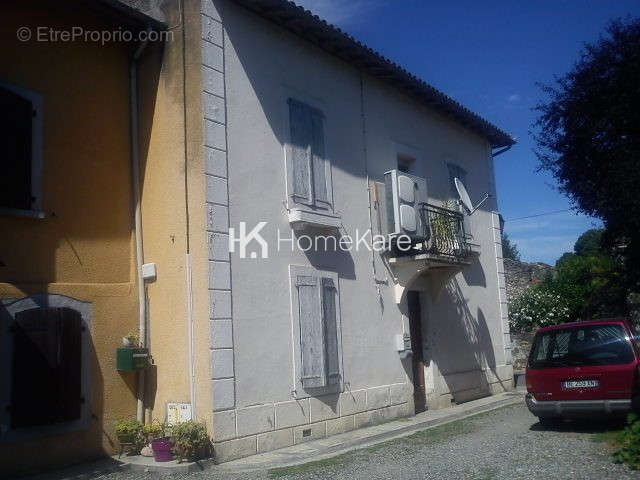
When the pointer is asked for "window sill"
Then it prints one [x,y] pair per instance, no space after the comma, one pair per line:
[16,212]
[301,219]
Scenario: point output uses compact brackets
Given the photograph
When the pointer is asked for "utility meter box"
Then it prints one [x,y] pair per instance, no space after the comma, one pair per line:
[131,359]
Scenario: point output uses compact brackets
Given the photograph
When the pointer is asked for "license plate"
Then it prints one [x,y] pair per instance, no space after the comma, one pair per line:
[581,384]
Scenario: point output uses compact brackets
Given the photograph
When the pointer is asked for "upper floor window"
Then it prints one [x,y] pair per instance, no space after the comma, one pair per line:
[309,167]
[456,171]
[406,163]
[20,149]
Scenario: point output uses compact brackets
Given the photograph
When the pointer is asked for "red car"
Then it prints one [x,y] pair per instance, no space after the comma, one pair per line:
[583,369]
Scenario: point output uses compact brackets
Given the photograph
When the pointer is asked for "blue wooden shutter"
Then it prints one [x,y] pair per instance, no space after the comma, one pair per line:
[312,345]
[301,139]
[320,193]
[331,331]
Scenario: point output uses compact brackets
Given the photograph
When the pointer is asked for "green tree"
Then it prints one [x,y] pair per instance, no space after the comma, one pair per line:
[563,258]
[590,285]
[589,243]
[509,249]
[588,137]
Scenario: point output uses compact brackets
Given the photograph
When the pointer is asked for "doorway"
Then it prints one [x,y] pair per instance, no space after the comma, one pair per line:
[415,329]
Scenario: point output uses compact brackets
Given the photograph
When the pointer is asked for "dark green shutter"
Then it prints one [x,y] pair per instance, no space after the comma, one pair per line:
[46,367]
[16,114]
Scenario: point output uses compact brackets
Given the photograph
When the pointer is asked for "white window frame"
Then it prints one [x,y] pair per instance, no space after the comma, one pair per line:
[298,391]
[36,153]
[321,207]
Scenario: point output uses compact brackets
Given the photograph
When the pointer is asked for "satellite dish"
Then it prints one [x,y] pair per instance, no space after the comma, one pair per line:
[463,194]
[465,199]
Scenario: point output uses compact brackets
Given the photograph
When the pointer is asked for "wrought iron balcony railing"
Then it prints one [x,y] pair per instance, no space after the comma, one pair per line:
[441,233]
[446,235]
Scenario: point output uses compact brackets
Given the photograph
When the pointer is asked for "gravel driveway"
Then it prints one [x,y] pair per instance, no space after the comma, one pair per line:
[507,443]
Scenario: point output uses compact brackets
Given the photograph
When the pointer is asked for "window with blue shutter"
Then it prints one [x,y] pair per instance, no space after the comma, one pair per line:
[309,175]
[318,321]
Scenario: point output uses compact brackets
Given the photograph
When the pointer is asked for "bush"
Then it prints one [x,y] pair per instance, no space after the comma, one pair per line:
[629,443]
[155,430]
[190,440]
[130,435]
[538,306]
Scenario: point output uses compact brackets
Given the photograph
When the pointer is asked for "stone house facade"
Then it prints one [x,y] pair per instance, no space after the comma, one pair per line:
[255,120]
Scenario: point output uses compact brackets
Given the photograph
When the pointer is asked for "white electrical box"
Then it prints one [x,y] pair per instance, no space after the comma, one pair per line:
[405,194]
[149,272]
[399,342]
[403,342]
[178,413]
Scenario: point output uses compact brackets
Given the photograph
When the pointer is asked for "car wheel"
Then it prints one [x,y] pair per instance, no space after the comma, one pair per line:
[549,421]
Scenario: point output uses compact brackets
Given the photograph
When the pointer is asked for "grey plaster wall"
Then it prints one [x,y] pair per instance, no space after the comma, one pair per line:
[366,121]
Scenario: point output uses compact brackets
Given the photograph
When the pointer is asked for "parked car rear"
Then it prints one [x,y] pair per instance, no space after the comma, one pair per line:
[583,369]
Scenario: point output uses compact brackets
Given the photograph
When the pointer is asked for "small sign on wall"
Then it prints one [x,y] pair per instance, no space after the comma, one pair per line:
[178,413]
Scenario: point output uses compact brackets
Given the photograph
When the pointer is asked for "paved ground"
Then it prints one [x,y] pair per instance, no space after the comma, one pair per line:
[507,443]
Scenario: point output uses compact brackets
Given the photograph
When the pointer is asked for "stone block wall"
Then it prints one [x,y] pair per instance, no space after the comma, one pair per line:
[261,428]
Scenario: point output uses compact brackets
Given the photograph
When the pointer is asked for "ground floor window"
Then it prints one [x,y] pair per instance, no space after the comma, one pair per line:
[317,330]
[46,367]
[45,364]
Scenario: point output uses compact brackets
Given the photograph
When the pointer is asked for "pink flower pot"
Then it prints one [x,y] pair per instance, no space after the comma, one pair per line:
[162,449]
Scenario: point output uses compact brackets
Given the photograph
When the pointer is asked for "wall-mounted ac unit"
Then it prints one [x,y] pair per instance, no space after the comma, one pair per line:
[405,194]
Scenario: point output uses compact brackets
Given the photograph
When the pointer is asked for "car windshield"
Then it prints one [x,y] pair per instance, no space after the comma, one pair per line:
[578,346]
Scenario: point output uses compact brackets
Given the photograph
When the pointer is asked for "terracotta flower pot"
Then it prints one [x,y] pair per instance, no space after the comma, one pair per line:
[162,449]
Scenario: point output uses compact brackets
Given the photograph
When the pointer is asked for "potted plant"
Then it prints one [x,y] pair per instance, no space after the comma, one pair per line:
[130,436]
[131,340]
[190,440]
[158,434]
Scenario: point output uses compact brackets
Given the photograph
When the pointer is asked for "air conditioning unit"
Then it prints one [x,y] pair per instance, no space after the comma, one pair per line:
[405,194]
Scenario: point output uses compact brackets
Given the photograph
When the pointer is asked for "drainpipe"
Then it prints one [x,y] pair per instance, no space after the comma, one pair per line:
[135,170]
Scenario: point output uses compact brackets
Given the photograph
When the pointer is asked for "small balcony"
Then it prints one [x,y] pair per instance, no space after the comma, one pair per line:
[445,239]
[446,250]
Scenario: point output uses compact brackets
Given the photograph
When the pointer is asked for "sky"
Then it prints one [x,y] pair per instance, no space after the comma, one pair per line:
[490,56]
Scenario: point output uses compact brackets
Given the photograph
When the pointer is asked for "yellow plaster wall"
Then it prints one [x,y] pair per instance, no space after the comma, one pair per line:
[84,246]
[173,212]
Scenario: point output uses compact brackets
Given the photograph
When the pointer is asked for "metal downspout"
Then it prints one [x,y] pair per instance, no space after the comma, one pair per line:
[135,170]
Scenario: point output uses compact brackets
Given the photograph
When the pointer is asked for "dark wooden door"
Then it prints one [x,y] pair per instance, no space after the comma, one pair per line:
[415,326]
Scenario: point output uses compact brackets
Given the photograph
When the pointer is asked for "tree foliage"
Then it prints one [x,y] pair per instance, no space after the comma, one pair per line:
[509,249]
[587,284]
[589,243]
[588,135]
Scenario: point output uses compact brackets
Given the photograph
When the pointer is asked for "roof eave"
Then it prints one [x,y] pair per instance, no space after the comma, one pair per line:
[338,43]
